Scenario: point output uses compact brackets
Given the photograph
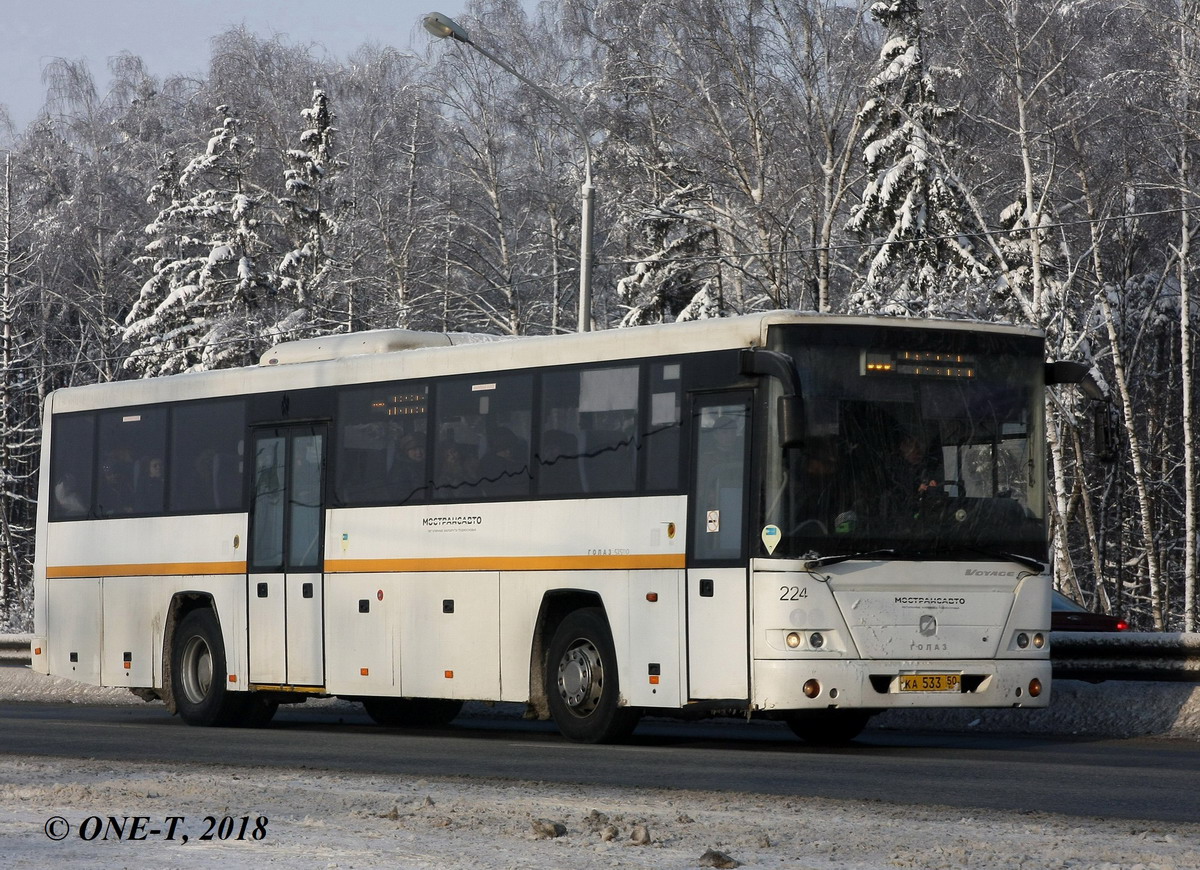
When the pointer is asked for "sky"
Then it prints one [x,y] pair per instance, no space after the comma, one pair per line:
[174,36]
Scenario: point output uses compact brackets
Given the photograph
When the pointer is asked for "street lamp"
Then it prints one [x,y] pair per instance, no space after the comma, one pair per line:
[444,27]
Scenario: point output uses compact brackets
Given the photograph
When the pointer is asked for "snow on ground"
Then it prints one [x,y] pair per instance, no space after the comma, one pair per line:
[323,820]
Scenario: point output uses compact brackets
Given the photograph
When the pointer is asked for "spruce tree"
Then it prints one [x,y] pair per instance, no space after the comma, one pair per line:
[920,257]
[310,223]
[198,310]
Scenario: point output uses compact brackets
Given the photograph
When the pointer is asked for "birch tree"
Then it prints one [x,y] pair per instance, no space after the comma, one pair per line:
[19,416]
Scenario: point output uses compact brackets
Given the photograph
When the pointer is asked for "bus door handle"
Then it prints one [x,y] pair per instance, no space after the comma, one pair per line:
[262,590]
[706,588]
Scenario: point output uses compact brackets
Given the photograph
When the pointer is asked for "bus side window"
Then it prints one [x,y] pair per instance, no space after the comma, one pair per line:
[608,405]
[661,432]
[71,466]
[207,454]
[483,431]
[559,446]
[381,445]
[132,445]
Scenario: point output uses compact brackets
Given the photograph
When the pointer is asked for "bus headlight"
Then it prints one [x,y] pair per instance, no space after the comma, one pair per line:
[1022,640]
[1039,640]
[793,640]
[816,640]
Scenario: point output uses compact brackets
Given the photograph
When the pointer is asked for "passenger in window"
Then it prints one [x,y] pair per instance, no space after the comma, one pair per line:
[505,469]
[458,470]
[406,474]
[116,484]
[67,496]
[911,470]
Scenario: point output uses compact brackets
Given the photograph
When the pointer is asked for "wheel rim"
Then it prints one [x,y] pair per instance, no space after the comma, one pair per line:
[197,667]
[581,677]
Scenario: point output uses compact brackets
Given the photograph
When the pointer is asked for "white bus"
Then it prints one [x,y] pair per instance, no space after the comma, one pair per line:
[806,517]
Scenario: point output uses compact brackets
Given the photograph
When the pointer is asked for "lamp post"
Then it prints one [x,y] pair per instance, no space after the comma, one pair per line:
[444,27]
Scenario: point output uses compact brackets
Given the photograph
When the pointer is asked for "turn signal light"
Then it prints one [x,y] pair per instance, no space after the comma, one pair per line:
[812,688]
[1035,687]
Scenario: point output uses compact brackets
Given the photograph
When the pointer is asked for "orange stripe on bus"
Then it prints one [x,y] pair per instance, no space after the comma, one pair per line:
[380,566]
[157,569]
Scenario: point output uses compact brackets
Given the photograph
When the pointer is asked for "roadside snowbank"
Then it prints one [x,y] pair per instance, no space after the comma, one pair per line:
[310,820]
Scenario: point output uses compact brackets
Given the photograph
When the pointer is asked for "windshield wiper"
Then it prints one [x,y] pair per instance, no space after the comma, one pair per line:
[821,562]
[1028,561]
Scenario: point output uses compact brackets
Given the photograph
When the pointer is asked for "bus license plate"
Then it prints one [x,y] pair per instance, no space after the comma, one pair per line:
[930,683]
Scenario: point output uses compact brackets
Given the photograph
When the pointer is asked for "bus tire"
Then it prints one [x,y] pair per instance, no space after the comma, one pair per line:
[198,674]
[412,712]
[581,681]
[829,727]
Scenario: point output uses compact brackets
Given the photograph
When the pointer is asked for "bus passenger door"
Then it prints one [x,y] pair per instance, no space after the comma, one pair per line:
[286,583]
[717,597]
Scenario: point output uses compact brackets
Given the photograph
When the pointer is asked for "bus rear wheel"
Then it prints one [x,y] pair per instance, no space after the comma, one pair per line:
[412,712]
[829,727]
[581,681]
[198,677]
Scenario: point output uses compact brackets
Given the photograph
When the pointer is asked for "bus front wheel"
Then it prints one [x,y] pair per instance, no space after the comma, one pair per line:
[581,681]
[198,677]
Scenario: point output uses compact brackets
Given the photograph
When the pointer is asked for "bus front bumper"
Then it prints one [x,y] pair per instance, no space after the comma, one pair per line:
[800,684]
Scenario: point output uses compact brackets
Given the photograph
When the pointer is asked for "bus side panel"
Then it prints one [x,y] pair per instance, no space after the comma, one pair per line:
[135,624]
[134,611]
[73,616]
[362,634]
[450,635]
[717,634]
[646,634]
[521,594]
[651,658]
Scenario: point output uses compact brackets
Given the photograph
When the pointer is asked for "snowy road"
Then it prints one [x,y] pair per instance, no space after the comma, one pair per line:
[1067,775]
[323,819]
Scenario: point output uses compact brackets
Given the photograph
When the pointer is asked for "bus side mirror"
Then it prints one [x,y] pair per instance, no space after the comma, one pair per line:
[791,421]
[1069,372]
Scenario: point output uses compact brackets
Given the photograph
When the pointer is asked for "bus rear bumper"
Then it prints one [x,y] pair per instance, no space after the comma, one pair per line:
[881,685]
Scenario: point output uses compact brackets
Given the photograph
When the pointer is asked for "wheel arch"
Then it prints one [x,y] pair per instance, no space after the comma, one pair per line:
[556,605]
[182,603]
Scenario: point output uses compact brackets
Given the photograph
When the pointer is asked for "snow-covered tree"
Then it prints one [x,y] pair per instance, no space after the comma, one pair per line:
[921,257]
[198,308]
[19,419]
[310,224]
[672,279]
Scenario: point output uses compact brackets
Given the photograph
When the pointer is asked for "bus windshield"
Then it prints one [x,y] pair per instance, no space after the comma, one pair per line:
[919,442]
